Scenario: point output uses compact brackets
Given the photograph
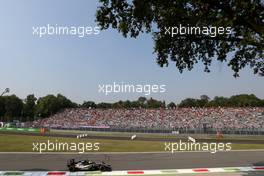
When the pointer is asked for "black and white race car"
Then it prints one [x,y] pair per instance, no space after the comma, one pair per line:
[87,165]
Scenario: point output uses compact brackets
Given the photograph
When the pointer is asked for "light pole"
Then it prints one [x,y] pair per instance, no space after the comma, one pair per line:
[7,90]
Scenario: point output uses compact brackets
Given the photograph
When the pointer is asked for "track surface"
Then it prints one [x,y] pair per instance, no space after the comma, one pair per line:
[133,161]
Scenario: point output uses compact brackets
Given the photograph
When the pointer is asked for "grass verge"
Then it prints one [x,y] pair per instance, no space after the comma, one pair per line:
[23,143]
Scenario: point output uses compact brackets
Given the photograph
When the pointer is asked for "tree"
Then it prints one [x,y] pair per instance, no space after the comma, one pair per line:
[51,104]
[13,108]
[65,102]
[171,105]
[104,105]
[135,104]
[244,100]
[2,108]
[127,104]
[119,104]
[242,46]
[29,107]
[152,103]
[188,102]
[142,101]
[219,101]
[262,104]
[205,98]
[89,104]
[47,106]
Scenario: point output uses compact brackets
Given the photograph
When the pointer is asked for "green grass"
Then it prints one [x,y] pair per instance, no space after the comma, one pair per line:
[247,146]
[24,143]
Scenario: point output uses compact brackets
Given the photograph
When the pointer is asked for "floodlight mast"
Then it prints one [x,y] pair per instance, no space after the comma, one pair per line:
[7,90]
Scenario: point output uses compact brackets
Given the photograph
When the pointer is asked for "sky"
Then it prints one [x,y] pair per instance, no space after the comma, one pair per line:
[75,67]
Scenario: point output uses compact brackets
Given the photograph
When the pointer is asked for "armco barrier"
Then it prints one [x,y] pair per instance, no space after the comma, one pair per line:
[172,131]
[21,129]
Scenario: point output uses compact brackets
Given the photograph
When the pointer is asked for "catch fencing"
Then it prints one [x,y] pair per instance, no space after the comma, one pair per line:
[173,130]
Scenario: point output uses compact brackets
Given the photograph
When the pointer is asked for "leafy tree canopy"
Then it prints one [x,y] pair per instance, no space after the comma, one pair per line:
[242,47]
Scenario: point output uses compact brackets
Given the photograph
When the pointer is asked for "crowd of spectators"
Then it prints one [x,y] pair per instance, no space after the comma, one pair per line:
[191,118]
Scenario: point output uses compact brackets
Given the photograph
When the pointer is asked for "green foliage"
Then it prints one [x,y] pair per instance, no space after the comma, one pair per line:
[29,107]
[242,100]
[47,105]
[135,104]
[2,107]
[10,108]
[13,108]
[142,101]
[189,102]
[152,103]
[171,105]
[104,105]
[219,101]
[88,104]
[244,46]
[51,104]
[64,102]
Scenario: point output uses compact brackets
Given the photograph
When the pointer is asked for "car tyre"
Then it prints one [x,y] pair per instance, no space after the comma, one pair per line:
[72,169]
[103,169]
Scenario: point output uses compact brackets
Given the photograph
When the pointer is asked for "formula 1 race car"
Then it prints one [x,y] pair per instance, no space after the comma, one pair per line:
[86,165]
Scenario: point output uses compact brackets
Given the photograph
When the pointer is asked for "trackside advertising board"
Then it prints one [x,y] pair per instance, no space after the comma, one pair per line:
[21,129]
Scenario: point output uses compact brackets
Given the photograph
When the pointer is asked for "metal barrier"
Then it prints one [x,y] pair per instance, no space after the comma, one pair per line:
[174,130]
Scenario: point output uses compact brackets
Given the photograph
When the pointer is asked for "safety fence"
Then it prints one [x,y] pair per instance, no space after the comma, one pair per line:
[173,130]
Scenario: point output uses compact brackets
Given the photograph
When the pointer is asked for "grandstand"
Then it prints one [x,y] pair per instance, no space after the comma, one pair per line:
[191,120]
